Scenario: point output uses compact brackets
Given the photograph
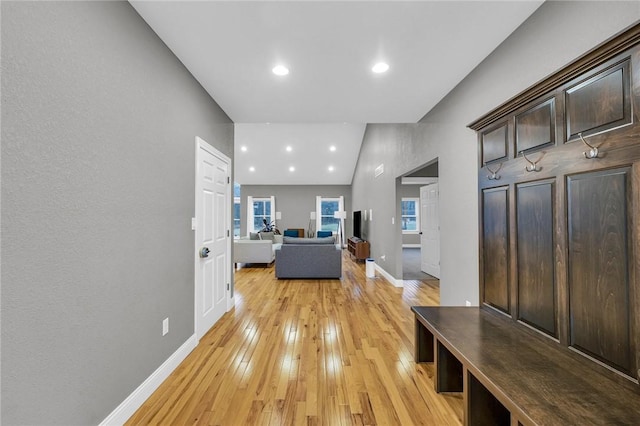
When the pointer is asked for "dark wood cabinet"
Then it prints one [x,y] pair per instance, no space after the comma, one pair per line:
[560,243]
[358,248]
[495,248]
[494,144]
[598,266]
[535,210]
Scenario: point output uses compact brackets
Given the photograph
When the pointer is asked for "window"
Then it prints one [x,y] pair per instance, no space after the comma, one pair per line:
[325,209]
[410,215]
[328,206]
[236,210]
[259,209]
[261,212]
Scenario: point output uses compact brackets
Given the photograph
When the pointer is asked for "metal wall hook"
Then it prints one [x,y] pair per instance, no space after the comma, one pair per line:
[593,151]
[493,175]
[533,165]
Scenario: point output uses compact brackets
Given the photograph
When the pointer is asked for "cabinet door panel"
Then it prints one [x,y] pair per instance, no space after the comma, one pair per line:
[494,144]
[496,248]
[536,127]
[598,266]
[600,103]
[535,245]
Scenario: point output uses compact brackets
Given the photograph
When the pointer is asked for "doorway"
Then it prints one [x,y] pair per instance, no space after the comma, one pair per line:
[212,236]
[420,244]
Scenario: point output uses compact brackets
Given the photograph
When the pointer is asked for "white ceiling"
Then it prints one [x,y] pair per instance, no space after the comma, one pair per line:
[329,47]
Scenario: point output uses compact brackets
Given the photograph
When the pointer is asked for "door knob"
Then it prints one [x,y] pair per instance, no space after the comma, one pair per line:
[204,252]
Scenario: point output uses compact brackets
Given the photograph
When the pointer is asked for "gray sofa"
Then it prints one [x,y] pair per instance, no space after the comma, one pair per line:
[308,258]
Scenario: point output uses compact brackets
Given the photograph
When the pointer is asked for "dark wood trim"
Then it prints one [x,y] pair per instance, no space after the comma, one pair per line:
[585,63]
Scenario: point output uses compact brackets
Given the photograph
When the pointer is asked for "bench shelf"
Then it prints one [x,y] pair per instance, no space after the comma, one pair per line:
[511,375]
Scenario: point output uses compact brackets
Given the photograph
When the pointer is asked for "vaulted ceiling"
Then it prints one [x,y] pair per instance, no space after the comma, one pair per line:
[330,92]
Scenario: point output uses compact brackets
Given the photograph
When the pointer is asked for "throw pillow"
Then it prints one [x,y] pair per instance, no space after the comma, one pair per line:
[290,232]
[277,239]
[254,236]
[324,234]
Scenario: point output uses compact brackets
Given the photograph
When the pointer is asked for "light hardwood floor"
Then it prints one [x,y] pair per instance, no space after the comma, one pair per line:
[293,352]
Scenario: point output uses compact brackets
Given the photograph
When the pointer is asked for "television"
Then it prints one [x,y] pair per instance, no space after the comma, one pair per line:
[357,224]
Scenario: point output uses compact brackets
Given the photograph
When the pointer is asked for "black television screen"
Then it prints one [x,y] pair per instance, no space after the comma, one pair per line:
[357,216]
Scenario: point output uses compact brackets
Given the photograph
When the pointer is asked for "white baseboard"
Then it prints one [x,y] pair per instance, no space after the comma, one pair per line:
[388,277]
[125,410]
[411,246]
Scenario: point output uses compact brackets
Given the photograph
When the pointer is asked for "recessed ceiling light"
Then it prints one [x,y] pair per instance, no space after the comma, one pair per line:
[292,169]
[243,148]
[330,168]
[280,70]
[332,148]
[289,149]
[252,169]
[380,67]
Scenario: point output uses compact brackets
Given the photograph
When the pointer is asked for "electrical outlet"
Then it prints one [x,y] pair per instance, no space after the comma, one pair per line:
[468,303]
[165,326]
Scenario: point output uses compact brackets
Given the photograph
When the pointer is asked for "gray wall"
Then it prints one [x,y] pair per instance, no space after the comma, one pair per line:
[543,44]
[98,150]
[296,202]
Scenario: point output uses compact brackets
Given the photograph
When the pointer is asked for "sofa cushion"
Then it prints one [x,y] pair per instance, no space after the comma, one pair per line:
[324,234]
[266,235]
[277,239]
[309,241]
[254,236]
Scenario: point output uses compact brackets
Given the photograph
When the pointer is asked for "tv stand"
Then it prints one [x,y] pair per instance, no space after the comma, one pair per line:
[358,248]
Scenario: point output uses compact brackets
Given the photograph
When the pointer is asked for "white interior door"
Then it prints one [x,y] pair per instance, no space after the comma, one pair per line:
[430,230]
[213,269]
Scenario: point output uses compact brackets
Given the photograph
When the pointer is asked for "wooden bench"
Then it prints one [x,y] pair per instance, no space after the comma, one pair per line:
[510,375]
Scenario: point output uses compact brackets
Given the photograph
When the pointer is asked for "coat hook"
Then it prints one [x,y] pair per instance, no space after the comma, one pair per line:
[593,151]
[533,165]
[493,175]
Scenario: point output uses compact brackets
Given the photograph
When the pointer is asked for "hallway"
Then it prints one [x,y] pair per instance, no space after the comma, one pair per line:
[323,352]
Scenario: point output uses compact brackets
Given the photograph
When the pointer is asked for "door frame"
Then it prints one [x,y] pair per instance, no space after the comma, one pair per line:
[202,144]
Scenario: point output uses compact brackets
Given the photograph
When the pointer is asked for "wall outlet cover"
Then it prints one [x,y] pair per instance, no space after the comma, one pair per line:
[165,326]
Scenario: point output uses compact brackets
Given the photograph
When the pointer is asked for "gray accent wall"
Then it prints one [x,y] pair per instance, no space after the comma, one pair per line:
[295,202]
[99,121]
[544,43]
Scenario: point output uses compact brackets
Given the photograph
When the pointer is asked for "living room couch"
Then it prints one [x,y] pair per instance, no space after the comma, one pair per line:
[308,258]
[246,250]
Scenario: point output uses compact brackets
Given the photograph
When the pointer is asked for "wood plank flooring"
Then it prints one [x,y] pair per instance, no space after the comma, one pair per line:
[313,352]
